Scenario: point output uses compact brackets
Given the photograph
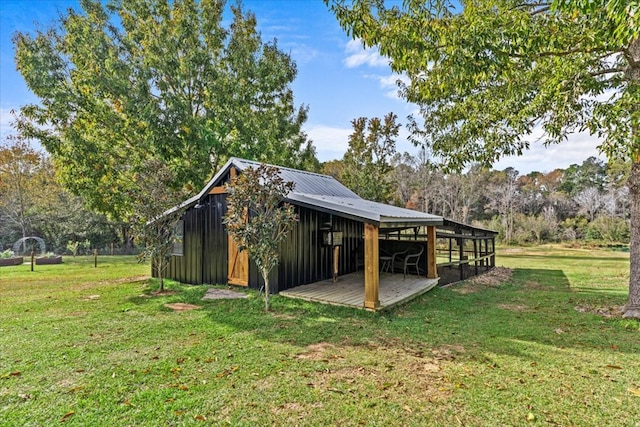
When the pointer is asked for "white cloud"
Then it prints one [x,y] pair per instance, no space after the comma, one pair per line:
[5,122]
[330,142]
[576,149]
[358,55]
[302,53]
[389,84]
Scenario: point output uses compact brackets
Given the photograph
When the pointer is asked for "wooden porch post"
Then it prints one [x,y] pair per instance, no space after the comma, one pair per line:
[432,267]
[371,267]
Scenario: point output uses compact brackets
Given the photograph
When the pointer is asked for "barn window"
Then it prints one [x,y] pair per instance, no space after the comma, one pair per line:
[178,239]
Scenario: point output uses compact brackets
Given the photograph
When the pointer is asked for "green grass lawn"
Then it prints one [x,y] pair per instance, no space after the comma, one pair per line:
[85,346]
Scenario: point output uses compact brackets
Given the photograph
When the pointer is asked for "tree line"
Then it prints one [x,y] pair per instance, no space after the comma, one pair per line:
[587,201]
[584,202]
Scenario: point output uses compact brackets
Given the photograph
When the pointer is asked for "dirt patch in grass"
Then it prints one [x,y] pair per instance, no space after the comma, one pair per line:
[283,316]
[393,375]
[409,378]
[491,279]
[447,352]
[89,285]
[299,409]
[611,311]
[181,306]
[317,351]
[512,250]
[512,307]
[163,293]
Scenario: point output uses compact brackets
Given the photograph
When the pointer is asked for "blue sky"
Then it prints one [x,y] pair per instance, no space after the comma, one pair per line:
[337,78]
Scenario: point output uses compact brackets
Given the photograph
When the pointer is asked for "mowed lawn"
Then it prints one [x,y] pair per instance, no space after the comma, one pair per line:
[84,346]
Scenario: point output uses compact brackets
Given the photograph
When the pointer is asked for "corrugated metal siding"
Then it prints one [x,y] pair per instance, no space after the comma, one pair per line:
[215,248]
[188,268]
[303,258]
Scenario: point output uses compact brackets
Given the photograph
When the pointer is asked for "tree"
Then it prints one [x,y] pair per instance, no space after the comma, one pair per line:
[404,176]
[366,164]
[488,74]
[32,202]
[156,215]
[334,168]
[504,199]
[590,202]
[257,218]
[592,173]
[19,168]
[157,79]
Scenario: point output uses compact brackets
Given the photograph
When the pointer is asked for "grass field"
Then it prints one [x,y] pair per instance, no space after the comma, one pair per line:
[82,346]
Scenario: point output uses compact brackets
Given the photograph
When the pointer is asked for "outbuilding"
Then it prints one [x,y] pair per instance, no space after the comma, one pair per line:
[339,238]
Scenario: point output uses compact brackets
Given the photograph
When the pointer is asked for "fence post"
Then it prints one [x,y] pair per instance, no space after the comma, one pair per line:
[32,258]
[95,258]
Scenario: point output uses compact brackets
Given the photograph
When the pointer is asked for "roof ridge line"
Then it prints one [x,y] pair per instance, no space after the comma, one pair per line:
[284,167]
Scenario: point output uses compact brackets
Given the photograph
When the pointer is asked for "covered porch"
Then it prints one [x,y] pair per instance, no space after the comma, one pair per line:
[349,290]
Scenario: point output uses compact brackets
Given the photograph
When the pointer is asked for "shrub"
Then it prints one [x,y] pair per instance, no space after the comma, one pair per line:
[6,254]
[609,229]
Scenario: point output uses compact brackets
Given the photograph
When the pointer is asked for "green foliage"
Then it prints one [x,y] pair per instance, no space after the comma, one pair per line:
[608,229]
[143,79]
[486,74]
[366,166]
[574,228]
[622,16]
[257,218]
[72,246]
[156,213]
[21,174]
[6,254]
[32,203]
[592,173]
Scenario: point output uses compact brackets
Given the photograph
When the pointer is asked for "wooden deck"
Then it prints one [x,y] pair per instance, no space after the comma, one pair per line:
[349,290]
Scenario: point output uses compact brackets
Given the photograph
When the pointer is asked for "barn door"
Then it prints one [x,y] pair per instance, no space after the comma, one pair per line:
[238,264]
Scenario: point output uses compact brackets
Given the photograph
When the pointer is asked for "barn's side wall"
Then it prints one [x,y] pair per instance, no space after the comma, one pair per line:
[188,268]
[303,257]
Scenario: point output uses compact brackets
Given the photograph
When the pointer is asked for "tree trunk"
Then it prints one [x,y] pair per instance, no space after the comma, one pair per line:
[265,276]
[160,278]
[632,308]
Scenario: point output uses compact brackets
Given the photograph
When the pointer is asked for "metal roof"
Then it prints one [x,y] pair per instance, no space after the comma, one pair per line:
[325,193]
[386,216]
[305,182]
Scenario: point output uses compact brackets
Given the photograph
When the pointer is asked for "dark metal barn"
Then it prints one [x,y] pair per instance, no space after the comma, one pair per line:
[337,231]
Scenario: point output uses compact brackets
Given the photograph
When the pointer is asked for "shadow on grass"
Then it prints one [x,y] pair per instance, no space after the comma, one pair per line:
[535,308]
[533,312]
[564,257]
